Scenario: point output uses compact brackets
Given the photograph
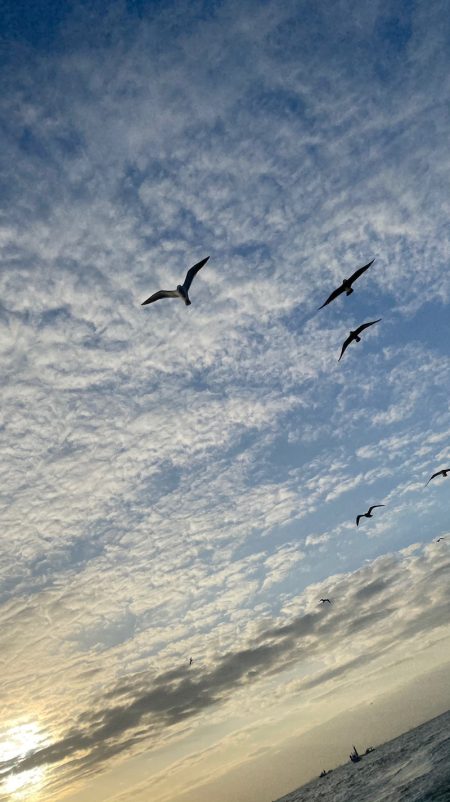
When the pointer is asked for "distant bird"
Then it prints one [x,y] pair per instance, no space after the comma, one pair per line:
[346,285]
[367,514]
[439,539]
[181,290]
[444,472]
[354,335]
[190,661]
[325,600]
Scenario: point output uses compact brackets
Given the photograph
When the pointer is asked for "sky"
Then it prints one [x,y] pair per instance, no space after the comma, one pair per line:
[181,481]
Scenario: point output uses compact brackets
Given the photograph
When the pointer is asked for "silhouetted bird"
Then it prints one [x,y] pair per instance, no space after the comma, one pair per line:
[444,472]
[181,290]
[367,514]
[325,600]
[354,335]
[190,661]
[439,539]
[346,285]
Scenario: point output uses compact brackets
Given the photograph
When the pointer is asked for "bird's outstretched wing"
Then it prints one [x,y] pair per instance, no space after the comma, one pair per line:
[438,473]
[160,294]
[375,505]
[192,272]
[333,295]
[358,518]
[344,347]
[366,326]
[360,271]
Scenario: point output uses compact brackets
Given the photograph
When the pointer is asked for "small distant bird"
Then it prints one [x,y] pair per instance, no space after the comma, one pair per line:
[439,539]
[354,335]
[181,290]
[325,600]
[346,285]
[444,472]
[190,661]
[367,514]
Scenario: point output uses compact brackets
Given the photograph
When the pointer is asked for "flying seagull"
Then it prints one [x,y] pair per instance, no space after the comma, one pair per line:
[440,538]
[346,285]
[181,290]
[354,335]
[444,472]
[367,514]
[325,600]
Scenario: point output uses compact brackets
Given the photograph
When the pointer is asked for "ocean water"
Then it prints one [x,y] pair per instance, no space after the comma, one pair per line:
[415,767]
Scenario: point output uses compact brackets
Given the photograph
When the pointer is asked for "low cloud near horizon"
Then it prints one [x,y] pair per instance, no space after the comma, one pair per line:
[183,482]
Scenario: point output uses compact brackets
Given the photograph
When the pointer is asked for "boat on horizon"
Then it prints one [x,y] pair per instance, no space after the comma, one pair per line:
[355,757]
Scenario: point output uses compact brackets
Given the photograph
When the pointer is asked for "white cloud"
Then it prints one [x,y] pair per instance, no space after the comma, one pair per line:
[167,471]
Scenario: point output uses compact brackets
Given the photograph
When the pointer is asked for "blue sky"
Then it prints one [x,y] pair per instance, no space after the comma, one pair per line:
[184,481]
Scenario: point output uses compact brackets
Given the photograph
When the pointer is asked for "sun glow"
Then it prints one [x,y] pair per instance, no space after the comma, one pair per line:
[15,743]
[23,784]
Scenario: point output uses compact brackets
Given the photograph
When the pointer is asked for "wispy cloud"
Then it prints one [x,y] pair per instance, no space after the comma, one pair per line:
[182,481]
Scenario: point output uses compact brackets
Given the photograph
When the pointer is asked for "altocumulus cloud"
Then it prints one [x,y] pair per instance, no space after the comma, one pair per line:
[367,613]
[181,482]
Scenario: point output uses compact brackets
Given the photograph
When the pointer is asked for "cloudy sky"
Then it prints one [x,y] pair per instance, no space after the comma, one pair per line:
[183,482]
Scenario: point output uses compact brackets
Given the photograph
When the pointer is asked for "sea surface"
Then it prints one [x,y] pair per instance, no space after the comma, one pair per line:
[415,767]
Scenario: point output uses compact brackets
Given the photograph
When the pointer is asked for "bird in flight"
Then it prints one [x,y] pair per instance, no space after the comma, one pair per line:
[346,285]
[325,600]
[444,472]
[182,290]
[190,661]
[354,335]
[439,539]
[367,514]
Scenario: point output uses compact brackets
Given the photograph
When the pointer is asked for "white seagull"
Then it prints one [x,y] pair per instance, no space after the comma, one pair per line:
[181,290]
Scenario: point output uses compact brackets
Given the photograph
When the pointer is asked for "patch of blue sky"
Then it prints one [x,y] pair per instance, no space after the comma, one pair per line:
[37,24]
[182,465]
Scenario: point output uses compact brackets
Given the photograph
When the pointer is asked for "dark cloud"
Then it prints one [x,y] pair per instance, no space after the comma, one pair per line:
[126,147]
[377,586]
[154,704]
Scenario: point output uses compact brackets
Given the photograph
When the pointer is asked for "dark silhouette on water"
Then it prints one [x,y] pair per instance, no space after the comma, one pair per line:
[325,600]
[354,335]
[346,285]
[443,472]
[367,514]
[355,757]
[181,290]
